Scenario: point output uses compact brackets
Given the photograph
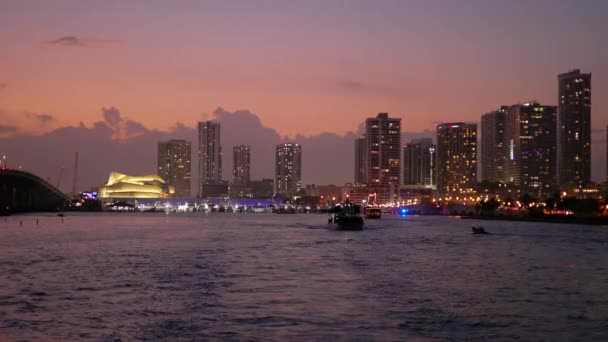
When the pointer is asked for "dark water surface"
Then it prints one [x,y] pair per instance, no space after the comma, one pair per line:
[287,277]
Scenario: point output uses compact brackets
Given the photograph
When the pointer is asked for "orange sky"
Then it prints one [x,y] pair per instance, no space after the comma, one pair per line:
[303,68]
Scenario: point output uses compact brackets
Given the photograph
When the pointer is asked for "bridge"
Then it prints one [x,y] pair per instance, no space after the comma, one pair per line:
[22,191]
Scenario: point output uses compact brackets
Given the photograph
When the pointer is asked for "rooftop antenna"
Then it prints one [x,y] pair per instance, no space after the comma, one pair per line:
[75,174]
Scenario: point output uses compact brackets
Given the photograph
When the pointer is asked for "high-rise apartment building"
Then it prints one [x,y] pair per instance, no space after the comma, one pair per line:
[419,161]
[383,136]
[209,155]
[174,165]
[241,165]
[456,158]
[531,143]
[574,129]
[493,149]
[360,161]
[288,169]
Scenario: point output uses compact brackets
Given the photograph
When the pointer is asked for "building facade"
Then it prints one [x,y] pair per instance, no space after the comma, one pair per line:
[209,155]
[493,150]
[263,188]
[419,163]
[574,129]
[383,136]
[369,195]
[531,141]
[174,165]
[241,165]
[120,185]
[456,158]
[288,169]
[361,161]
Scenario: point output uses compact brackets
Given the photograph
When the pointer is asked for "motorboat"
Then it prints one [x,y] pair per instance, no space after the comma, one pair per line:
[479,231]
[346,216]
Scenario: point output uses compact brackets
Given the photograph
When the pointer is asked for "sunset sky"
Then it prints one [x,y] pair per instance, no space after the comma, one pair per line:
[303,67]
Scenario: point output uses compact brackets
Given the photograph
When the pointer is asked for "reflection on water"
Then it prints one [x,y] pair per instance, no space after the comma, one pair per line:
[274,277]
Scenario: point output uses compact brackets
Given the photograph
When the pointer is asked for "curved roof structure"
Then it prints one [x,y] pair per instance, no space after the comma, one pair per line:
[120,185]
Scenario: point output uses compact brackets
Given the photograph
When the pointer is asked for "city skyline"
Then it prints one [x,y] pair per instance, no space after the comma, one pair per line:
[118,105]
[265,175]
[309,170]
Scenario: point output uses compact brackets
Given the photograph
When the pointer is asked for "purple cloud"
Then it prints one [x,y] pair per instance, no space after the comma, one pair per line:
[42,119]
[74,41]
[68,41]
[8,129]
[111,116]
[134,128]
[122,128]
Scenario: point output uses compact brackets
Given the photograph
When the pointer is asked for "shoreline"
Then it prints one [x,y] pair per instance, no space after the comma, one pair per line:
[592,221]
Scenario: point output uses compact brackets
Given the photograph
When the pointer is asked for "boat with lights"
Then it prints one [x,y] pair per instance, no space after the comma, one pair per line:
[373,212]
[346,216]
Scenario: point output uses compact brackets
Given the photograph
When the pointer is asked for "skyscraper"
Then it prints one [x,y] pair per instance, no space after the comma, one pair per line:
[493,152]
[531,141]
[456,158]
[360,161]
[209,155]
[419,162]
[174,165]
[241,166]
[574,129]
[288,169]
[383,136]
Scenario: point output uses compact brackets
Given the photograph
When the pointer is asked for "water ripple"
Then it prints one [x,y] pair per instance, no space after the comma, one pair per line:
[287,277]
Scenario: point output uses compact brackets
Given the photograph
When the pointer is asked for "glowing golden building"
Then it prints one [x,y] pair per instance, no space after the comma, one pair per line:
[123,186]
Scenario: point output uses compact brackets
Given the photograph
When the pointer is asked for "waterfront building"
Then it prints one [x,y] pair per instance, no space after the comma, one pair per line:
[288,169]
[174,165]
[324,192]
[120,185]
[217,190]
[574,129]
[531,142]
[383,136]
[370,195]
[456,158]
[209,155]
[263,188]
[493,149]
[419,161]
[361,161]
